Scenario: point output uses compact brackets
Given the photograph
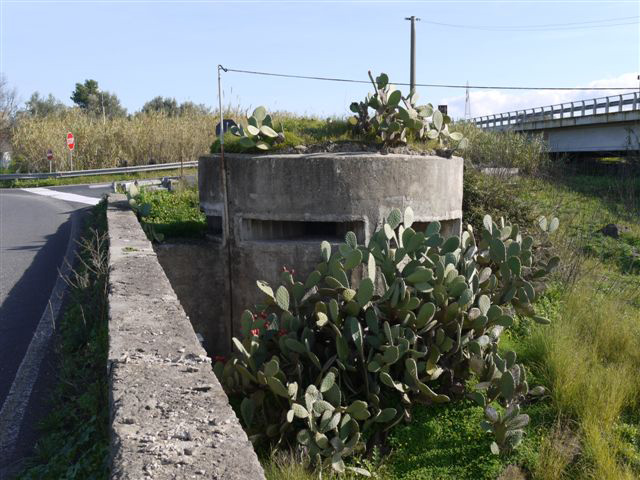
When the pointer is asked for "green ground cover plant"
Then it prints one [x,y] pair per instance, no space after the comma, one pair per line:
[74,441]
[172,214]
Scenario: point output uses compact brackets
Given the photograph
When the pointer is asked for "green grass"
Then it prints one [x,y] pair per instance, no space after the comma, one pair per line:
[588,357]
[74,441]
[297,131]
[309,131]
[446,442]
[584,205]
[174,214]
[52,182]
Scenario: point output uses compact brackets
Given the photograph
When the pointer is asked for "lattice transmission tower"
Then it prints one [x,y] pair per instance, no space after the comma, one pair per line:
[467,104]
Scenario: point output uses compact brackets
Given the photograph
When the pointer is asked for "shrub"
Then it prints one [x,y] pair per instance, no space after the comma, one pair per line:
[373,330]
[496,196]
[505,149]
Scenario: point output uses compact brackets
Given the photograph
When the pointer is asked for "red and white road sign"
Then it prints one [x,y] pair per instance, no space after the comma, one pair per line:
[49,155]
[71,143]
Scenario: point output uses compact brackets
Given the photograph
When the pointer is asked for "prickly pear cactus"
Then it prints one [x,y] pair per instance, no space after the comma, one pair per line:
[257,131]
[325,360]
[394,122]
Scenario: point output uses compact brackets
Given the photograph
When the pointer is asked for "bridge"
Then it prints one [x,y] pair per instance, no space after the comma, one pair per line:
[599,127]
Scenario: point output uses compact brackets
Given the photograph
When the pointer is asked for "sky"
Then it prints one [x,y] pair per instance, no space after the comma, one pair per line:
[141,49]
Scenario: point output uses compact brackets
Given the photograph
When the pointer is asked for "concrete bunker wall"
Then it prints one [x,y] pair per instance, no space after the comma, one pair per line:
[196,271]
[282,206]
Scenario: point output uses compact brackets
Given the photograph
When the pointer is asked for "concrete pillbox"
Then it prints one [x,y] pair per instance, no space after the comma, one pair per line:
[282,206]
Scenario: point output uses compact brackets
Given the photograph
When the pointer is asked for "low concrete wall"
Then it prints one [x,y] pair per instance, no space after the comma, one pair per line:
[170,417]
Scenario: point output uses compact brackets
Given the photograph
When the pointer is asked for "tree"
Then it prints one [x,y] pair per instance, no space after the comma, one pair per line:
[167,105]
[170,107]
[8,108]
[90,98]
[41,106]
[194,108]
[81,96]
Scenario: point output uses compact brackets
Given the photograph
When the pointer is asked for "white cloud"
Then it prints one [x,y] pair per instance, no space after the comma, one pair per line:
[487,102]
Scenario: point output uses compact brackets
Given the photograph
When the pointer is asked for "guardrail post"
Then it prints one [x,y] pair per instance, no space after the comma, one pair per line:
[606,106]
[635,100]
[572,107]
[583,106]
[562,110]
[620,105]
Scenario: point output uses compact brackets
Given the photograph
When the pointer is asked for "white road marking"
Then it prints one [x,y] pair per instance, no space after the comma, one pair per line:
[101,185]
[15,405]
[71,197]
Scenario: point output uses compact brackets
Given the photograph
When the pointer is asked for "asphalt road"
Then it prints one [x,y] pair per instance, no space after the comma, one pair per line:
[35,228]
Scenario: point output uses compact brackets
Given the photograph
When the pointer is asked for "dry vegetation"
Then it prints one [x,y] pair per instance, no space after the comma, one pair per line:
[139,140]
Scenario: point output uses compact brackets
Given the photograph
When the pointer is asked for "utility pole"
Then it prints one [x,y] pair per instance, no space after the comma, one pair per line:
[413,52]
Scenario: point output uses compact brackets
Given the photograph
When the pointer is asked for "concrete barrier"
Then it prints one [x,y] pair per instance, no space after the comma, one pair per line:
[170,417]
[282,206]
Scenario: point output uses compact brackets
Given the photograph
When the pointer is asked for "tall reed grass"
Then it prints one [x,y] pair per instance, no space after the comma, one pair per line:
[590,359]
[138,140]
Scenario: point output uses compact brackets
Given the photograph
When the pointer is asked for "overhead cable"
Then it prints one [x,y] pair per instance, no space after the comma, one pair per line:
[433,85]
[545,27]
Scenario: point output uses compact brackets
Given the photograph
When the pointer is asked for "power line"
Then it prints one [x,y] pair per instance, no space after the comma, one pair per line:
[433,85]
[546,27]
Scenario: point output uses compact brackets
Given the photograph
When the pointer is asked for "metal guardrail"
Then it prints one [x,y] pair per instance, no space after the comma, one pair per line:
[580,108]
[99,171]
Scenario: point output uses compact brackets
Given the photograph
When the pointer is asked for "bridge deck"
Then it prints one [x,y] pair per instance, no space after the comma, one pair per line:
[609,125]
[597,110]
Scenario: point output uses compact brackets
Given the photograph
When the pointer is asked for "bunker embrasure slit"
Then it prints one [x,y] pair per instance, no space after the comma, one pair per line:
[253,229]
[214,225]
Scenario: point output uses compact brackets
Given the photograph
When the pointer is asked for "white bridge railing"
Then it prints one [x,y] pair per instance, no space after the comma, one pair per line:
[579,108]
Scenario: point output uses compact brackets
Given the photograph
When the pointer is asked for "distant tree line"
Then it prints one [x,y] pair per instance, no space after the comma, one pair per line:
[163,130]
[89,98]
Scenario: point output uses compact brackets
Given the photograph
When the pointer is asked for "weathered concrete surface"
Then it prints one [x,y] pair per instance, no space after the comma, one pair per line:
[170,417]
[367,186]
[177,183]
[282,206]
[210,187]
[196,271]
